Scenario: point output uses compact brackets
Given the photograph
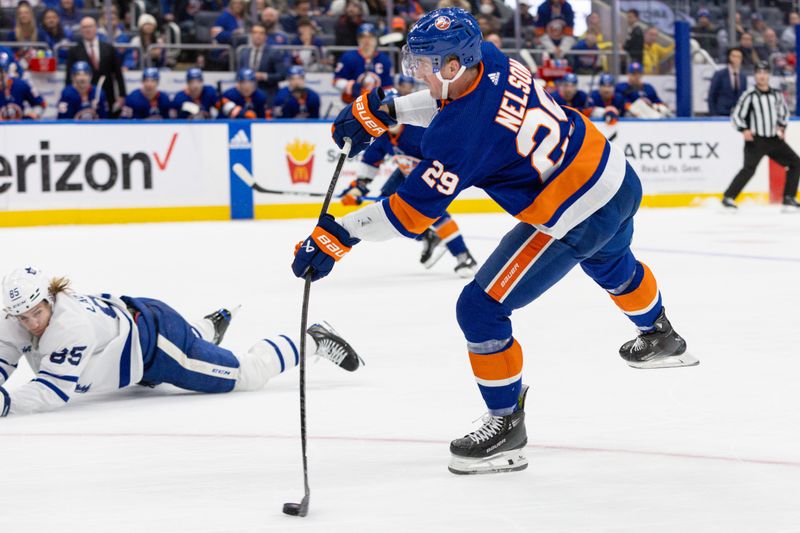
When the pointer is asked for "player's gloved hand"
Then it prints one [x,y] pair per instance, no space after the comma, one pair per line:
[361,121]
[319,251]
[611,115]
[358,188]
[5,402]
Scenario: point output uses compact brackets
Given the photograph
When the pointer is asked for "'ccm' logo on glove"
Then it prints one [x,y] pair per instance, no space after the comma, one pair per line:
[329,244]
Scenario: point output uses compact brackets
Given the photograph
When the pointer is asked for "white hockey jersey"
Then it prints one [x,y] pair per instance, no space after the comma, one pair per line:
[91,345]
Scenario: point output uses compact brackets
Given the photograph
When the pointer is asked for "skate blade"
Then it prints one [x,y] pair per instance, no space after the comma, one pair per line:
[510,461]
[467,273]
[787,210]
[673,361]
[438,252]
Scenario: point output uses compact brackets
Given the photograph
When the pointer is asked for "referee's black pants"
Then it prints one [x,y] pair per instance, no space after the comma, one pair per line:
[777,150]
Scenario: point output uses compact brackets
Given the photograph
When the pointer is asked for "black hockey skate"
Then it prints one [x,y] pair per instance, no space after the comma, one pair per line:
[220,319]
[432,248]
[467,266]
[791,205]
[497,446]
[729,203]
[661,348]
[331,346]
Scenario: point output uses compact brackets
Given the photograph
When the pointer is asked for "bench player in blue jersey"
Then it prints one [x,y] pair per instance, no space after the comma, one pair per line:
[81,100]
[80,346]
[148,102]
[567,93]
[18,99]
[245,100]
[605,101]
[641,98]
[296,100]
[197,101]
[363,69]
[489,125]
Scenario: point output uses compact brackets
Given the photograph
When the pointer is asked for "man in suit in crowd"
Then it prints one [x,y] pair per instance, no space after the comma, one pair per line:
[104,61]
[269,65]
[727,85]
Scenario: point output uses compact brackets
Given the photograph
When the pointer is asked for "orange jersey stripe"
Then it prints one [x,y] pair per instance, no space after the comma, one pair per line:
[517,265]
[497,366]
[411,219]
[370,122]
[641,297]
[447,229]
[570,180]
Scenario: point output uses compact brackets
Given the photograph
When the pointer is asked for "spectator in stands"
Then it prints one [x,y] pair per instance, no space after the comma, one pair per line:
[593,23]
[182,12]
[750,54]
[347,25]
[488,7]
[634,41]
[25,28]
[635,89]
[53,32]
[81,100]
[245,100]
[488,24]
[526,18]
[722,34]
[727,85]
[495,39]
[307,36]
[270,18]
[148,35]
[337,7]
[555,41]
[463,4]
[705,33]
[555,9]
[302,10]
[296,100]
[654,53]
[148,102]
[269,66]
[757,28]
[104,61]
[398,33]
[409,9]
[70,14]
[119,35]
[586,63]
[228,29]
[196,101]
[771,51]
[18,99]
[788,35]
[363,69]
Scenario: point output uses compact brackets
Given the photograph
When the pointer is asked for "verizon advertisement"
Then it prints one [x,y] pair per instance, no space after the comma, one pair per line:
[80,166]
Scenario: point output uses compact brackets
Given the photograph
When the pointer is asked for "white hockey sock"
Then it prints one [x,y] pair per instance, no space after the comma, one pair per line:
[205,328]
[264,360]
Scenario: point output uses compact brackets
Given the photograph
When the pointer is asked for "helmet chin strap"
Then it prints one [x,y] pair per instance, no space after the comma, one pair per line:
[446,83]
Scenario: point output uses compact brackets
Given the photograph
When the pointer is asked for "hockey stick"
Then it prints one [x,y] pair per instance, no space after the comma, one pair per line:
[97,89]
[243,174]
[301,509]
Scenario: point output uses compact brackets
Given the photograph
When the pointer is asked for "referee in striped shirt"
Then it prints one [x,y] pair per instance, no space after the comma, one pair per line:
[761,115]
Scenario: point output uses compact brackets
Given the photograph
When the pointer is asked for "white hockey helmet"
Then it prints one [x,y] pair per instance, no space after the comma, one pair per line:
[24,289]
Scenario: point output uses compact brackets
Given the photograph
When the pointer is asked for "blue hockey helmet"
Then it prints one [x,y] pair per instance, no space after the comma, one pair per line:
[440,34]
[606,80]
[150,73]
[246,74]
[569,77]
[366,28]
[194,73]
[5,60]
[81,67]
[635,68]
[296,70]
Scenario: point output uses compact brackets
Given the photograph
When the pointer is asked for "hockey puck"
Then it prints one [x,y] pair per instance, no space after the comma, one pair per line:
[292,509]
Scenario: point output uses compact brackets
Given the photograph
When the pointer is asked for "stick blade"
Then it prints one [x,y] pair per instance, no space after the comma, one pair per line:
[296,509]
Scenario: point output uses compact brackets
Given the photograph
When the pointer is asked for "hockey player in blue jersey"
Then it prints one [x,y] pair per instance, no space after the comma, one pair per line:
[18,99]
[567,93]
[363,69]
[640,97]
[403,144]
[148,102]
[83,345]
[296,100]
[490,126]
[81,100]
[244,100]
[605,101]
[196,101]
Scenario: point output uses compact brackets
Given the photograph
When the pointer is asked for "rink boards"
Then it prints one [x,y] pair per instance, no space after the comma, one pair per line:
[147,171]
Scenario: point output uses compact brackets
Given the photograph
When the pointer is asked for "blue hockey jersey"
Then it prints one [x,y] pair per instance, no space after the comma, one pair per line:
[580,101]
[14,98]
[74,105]
[139,106]
[353,68]
[406,141]
[234,105]
[630,93]
[287,105]
[596,100]
[207,101]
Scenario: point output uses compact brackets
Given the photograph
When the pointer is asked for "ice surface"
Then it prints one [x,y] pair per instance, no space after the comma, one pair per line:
[715,448]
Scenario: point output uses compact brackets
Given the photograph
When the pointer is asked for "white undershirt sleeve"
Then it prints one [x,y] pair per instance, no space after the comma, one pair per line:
[416,109]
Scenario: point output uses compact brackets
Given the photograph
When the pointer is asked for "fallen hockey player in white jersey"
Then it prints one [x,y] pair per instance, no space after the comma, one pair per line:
[82,345]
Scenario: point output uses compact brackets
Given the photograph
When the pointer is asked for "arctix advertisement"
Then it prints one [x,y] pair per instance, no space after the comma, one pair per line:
[101,166]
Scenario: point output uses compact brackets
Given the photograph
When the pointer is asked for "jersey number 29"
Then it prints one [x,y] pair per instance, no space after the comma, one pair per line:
[540,133]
